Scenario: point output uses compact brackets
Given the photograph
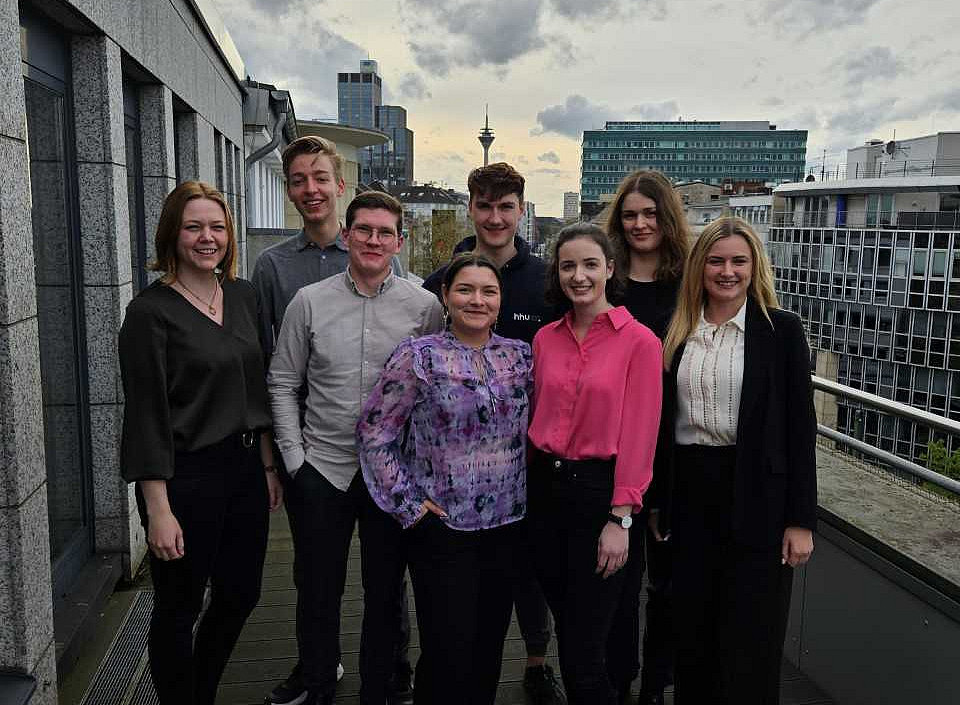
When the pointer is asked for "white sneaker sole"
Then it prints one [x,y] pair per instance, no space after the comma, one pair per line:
[339,672]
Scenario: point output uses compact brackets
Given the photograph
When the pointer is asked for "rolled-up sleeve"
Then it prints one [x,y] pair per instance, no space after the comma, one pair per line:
[639,424]
[380,432]
[288,368]
[146,447]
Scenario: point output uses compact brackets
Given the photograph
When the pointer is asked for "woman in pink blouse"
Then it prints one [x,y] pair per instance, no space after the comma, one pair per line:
[597,386]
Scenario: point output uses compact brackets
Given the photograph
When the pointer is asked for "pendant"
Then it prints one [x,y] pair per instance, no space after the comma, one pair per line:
[212,310]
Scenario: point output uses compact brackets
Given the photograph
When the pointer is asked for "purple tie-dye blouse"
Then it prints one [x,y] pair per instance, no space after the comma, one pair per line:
[465,448]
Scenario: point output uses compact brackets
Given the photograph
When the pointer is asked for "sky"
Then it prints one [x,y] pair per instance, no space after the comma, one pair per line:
[845,70]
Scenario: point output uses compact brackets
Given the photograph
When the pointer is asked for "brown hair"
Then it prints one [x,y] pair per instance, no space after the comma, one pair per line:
[671,221]
[495,181]
[588,231]
[374,200]
[171,220]
[690,300]
[311,144]
[469,259]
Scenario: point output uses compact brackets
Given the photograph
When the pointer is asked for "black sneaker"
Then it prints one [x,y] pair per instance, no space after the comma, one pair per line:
[292,691]
[647,698]
[401,685]
[542,687]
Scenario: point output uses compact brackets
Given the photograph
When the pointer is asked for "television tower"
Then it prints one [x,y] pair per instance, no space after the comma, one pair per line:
[486,136]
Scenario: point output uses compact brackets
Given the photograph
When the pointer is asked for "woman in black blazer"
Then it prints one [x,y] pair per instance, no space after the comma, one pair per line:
[737,469]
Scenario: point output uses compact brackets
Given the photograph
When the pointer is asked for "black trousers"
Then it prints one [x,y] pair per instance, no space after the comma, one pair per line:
[322,519]
[533,616]
[659,642]
[219,496]
[463,584]
[569,505]
[731,600]
[623,642]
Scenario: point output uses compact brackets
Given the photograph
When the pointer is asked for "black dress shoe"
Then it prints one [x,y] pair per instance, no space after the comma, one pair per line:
[650,698]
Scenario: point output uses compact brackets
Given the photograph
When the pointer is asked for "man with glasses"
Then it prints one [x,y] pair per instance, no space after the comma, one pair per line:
[313,171]
[335,339]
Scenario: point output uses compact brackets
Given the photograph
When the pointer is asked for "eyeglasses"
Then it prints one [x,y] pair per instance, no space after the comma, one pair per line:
[365,232]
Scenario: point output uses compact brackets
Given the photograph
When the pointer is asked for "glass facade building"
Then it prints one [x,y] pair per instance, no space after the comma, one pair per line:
[713,152]
[360,104]
[873,268]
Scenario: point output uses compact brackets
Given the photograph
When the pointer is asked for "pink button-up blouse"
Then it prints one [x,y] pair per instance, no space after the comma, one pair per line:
[600,397]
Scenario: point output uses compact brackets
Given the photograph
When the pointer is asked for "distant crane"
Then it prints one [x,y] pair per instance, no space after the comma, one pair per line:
[486,136]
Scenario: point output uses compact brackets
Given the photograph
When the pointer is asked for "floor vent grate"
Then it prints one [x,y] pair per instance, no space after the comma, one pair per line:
[126,661]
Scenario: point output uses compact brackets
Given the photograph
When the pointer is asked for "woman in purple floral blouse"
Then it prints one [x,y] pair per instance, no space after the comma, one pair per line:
[442,444]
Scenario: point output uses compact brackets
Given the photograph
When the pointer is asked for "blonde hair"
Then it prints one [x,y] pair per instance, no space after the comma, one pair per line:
[171,219]
[690,300]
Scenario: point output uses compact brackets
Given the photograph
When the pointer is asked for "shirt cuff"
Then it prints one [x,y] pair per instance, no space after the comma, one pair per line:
[627,495]
[293,460]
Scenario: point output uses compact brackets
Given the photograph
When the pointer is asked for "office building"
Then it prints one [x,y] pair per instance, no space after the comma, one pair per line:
[360,104]
[391,163]
[571,205]
[872,265]
[527,227]
[359,95]
[269,125]
[434,221]
[930,155]
[723,152]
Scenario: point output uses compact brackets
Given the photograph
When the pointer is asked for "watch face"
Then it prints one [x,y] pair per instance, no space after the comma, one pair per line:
[626,522]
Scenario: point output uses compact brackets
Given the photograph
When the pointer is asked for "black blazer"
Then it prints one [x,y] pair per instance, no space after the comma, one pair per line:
[775,483]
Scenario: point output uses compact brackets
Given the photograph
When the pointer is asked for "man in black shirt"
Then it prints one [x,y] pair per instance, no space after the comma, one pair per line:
[496,207]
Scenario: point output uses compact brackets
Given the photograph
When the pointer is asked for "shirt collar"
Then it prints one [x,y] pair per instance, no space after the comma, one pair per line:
[618,317]
[384,285]
[740,320]
[303,242]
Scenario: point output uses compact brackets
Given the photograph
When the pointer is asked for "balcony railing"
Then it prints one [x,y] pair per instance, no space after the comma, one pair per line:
[895,220]
[890,169]
[882,404]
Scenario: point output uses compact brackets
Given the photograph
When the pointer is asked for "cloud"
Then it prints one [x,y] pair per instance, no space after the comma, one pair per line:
[550,157]
[805,17]
[550,172]
[667,110]
[610,9]
[321,52]
[572,117]
[772,101]
[473,35]
[871,64]
[413,87]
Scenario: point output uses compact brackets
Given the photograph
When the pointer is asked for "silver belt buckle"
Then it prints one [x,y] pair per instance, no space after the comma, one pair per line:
[247,439]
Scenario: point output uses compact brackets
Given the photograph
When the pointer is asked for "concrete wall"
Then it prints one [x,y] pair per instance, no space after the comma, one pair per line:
[167,40]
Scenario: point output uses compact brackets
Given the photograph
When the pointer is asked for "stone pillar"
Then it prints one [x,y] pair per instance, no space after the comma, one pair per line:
[197,157]
[26,604]
[157,154]
[107,281]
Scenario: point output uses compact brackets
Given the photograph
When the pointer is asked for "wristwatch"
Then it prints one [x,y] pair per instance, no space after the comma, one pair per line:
[623,522]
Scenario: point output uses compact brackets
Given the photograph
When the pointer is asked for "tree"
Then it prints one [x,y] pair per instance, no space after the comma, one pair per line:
[939,459]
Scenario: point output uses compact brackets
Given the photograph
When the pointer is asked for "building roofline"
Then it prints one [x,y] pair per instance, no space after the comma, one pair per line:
[356,136]
[888,184]
[219,36]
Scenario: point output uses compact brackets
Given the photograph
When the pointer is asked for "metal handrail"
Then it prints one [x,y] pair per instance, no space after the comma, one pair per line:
[889,406]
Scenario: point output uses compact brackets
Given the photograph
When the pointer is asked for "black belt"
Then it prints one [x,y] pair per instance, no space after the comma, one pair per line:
[564,467]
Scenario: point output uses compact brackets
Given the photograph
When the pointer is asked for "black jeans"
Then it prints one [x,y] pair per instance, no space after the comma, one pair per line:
[462,581]
[659,643]
[623,642]
[322,521]
[533,616]
[569,506]
[731,601]
[219,496]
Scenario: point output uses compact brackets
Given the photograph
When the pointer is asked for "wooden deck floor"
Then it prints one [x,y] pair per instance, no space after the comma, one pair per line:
[267,648]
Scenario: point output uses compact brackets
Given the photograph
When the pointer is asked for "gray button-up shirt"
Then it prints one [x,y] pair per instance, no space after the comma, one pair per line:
[285,268]
[336,341]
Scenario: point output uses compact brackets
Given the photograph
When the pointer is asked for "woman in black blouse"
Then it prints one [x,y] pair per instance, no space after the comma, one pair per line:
[196,407]
[646,224]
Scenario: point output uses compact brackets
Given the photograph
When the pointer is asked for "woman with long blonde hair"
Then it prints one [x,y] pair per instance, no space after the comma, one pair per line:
[739,430]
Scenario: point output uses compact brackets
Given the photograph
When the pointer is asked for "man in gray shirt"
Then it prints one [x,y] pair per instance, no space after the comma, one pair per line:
[335,339]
